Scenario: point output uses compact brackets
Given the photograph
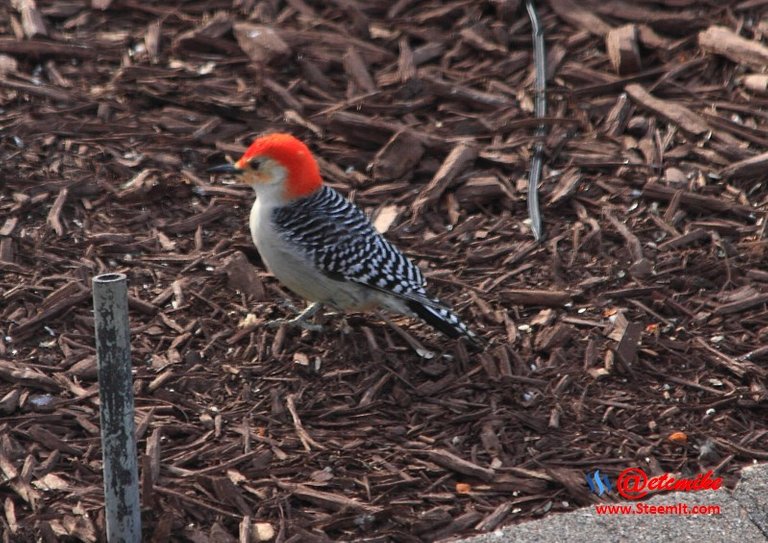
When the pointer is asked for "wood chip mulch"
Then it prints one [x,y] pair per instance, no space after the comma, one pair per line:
[644,313]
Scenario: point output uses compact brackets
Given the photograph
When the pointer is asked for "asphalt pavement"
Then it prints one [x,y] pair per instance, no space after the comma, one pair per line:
[743,518]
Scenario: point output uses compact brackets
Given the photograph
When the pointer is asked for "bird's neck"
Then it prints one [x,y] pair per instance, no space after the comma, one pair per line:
[281,194]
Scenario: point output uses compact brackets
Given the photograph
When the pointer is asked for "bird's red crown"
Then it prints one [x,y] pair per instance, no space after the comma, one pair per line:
[303,173]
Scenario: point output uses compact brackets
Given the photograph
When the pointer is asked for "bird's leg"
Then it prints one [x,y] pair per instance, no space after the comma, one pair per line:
[288,305]
[344,325]
[300,320]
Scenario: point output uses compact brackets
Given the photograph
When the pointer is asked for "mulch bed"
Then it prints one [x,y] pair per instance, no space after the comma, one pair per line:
[642,316]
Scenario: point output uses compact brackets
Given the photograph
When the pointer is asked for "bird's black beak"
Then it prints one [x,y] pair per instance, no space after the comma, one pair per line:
[225,168]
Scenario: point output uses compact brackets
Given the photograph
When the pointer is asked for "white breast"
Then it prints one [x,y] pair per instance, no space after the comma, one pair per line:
[289,264]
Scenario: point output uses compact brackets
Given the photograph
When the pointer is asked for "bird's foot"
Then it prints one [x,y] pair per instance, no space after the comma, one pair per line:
[300,320]
[299,323]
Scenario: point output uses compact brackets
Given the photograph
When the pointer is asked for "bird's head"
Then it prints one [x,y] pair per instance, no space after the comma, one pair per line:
[277,164]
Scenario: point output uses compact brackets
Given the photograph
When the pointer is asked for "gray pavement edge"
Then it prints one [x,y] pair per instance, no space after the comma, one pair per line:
[743,518]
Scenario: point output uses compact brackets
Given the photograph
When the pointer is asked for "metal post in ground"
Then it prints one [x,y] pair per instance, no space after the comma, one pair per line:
[118,440]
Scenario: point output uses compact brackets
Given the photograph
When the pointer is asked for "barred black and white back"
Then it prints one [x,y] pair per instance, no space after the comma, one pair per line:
[341,242]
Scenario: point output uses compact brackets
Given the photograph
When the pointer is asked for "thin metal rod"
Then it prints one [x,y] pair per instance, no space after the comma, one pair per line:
[540,110]
[118,440]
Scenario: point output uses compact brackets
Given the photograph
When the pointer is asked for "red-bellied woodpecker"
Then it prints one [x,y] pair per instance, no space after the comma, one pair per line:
[321,246]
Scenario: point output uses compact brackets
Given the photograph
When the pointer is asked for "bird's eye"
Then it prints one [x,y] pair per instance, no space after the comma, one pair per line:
[255,164]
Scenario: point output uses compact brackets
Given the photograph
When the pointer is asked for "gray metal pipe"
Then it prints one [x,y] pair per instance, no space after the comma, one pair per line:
[118,439]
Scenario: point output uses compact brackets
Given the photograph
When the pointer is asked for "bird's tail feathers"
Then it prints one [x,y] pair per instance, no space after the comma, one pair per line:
[443,320]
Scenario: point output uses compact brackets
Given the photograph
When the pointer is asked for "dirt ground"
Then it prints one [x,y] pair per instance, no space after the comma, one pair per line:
[634,335]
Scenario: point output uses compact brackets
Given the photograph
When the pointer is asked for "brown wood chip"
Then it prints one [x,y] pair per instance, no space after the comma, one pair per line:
[452,462]
[460,157]
[261,43]
[358,71]
[724,41]
[748,167]
[738,306]
[673,112]
[242,275]
[580,16]
[31,19]
[623,49]
[328,500]
[398,157]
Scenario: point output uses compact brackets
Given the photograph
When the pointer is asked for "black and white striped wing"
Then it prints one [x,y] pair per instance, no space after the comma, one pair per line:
[343,244]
